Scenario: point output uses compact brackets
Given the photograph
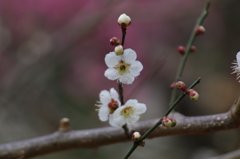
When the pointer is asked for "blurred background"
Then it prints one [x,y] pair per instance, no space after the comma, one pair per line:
[52,66]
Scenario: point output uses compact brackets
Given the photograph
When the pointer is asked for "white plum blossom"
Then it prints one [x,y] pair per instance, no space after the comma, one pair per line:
[123,67]
[109,102]
[128,113]
[236,67]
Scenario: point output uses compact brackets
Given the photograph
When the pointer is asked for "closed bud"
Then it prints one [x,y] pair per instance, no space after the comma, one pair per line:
[124,20]
[114,41]
[168,122]
[193,94]
[142,143]
[118,50]
[200,30]
[193,49]
[136,136]
[181,50]
[181,85]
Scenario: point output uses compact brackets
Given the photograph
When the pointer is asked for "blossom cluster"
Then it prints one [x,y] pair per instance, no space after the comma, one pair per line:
[110,109]
[123,67]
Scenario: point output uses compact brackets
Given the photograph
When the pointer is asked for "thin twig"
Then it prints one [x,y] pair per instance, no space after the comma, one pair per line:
[189,44]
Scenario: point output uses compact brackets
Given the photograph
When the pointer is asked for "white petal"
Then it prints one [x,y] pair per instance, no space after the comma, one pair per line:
[133,119]
[111,59]
[140,108]
[103,113]
[131,102]
[238,58]
[118,119]
[136,68]
[129,56]
[111,120]
[105,97]
[126,78]
[111,74]
[114,94]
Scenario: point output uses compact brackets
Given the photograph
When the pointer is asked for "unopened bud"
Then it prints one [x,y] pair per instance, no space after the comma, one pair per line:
[181,85]
[118,50]
[124,20]
[193,49]
[136,136]
[200,30]
[181,50]
[142,143]
[193,94]
[168,122]
[64,124]
[114,41]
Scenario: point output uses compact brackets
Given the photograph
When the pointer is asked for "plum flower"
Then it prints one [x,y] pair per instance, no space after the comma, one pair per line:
[123,67]
[129,113]
[109,102]
[236,67]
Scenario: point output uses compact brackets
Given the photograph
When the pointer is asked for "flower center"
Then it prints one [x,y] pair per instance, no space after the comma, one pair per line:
[126,112]
[113,105]
[122,67]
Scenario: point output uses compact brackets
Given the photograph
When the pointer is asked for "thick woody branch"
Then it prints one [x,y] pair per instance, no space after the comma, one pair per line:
[71,139]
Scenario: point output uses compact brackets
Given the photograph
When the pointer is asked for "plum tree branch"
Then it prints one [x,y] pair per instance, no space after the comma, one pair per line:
[65,139]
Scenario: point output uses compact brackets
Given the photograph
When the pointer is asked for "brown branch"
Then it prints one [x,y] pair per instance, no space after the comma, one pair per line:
[92,138]
[234,154]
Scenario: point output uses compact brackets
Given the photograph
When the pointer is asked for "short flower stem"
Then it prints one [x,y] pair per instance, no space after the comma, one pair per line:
[124,32]
[189,44]
[135,144]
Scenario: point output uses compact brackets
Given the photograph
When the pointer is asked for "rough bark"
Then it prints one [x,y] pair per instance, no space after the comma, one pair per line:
[71,139]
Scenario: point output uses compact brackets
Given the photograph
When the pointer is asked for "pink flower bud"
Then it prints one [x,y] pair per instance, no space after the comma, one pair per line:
[193,94]
[118,50]
[181,85]
[124,20]
[114,41]
[193,49]
[136,136]
[181,50]
[168,122]
[200,30]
